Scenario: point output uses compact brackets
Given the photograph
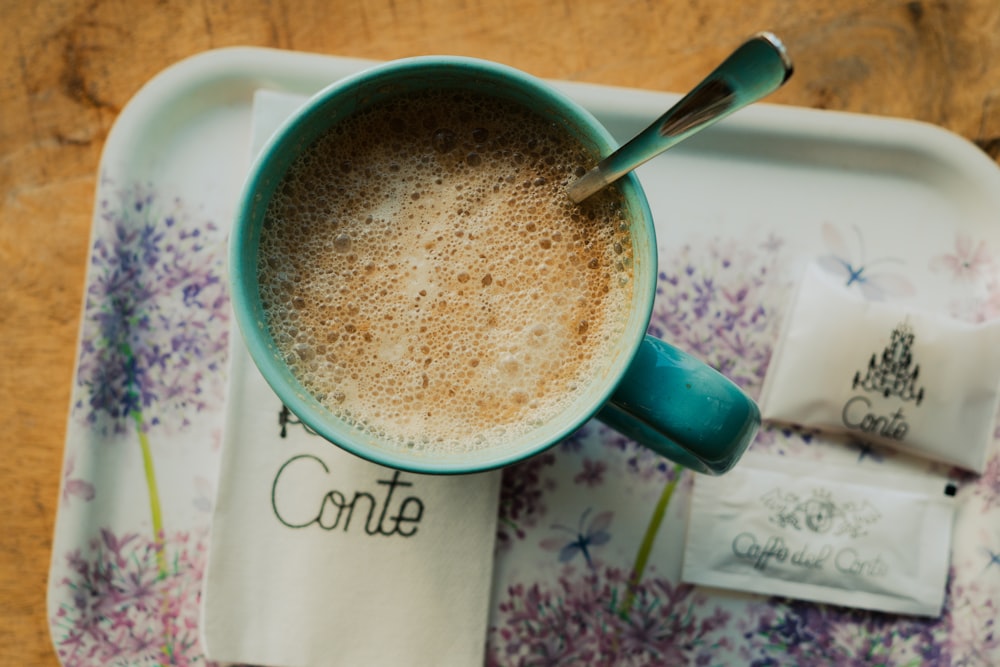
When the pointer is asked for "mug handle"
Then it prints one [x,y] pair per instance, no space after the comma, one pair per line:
[683,409]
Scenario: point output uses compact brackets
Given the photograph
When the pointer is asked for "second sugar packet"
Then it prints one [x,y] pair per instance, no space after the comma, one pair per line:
[884,373]
[869,538]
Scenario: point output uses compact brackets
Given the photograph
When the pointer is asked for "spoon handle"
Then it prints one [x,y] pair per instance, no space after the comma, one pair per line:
[757,68]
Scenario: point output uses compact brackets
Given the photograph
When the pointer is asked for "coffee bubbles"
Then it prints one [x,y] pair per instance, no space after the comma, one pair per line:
[424,274]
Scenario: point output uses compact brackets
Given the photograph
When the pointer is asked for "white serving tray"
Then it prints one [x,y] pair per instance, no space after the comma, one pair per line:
[739,210]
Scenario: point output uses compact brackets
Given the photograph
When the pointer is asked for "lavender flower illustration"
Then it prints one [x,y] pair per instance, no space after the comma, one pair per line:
[988,485]
[521,491]
[155,331]
[123,605]
[580,623]
[153,344]
[716,305]
[805,633]
[969,627]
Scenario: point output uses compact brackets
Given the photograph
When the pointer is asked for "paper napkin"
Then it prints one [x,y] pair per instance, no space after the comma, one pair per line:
[318,557]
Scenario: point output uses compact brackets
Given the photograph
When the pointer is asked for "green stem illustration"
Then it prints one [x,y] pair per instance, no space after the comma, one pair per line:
[154,495]
[646,546]
[156,514]
[147,465]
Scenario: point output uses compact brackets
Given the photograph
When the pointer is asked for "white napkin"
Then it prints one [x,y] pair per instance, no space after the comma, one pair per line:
[320,558]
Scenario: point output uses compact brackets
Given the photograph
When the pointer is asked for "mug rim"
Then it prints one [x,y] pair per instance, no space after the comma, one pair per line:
[269,167]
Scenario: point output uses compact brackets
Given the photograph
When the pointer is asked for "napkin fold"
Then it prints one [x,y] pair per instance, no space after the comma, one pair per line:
[318,557]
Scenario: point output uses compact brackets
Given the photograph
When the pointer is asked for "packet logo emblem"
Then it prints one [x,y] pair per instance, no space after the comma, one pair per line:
[820,513]
[892,375]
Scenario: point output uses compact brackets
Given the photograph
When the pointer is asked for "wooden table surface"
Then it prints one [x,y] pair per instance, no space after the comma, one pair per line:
[67,67]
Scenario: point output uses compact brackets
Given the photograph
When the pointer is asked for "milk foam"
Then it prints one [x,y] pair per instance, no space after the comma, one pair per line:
[426,277]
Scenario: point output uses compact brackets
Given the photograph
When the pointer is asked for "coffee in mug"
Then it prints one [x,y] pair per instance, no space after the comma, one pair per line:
[424,275]
[413,281]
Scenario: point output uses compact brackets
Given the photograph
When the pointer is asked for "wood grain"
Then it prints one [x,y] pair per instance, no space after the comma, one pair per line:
[67,67]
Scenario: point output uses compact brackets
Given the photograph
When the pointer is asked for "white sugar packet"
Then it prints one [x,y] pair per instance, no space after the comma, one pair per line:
[873,538]
[915,380]
[317,557]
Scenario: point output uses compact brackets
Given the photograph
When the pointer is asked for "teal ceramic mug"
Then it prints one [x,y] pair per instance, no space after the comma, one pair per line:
[643,387]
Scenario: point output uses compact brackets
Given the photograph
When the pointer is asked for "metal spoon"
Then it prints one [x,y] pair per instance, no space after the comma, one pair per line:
[754,70]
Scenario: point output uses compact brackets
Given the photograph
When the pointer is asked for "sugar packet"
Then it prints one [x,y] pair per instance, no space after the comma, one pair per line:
[871,538]
[884,373]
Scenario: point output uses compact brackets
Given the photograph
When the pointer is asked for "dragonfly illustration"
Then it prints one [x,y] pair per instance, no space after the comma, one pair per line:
[853,267]
[993,557]
[594,534]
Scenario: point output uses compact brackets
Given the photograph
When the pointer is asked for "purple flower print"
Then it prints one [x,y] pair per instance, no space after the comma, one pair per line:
[155,324]
[805,633]
[972,615]
[592,473]
[578,622]
[987,486]
[154,342]
[970,261]
[576,441]
[715,305]
[123,611]
[522,488]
